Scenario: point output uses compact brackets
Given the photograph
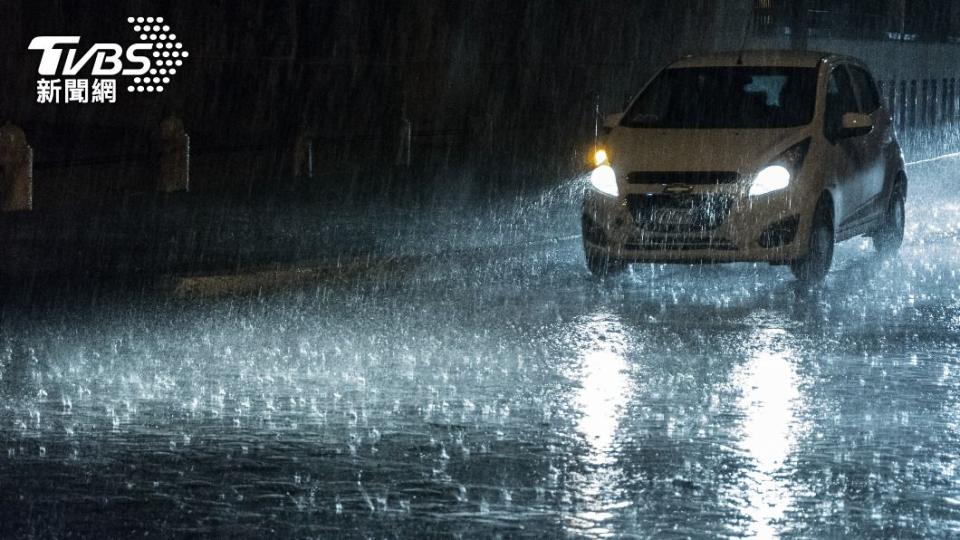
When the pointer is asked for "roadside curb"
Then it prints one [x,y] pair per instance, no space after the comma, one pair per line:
[933,159]
[271,279]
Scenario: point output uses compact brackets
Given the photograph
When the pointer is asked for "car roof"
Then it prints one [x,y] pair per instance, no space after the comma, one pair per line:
[769,57]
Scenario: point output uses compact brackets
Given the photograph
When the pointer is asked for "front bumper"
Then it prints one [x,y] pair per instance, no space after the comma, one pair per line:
[730,227]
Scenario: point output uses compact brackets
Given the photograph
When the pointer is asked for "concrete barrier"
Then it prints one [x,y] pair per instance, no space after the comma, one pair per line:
[303,162]
[16,170]
[174,163]
[405,140]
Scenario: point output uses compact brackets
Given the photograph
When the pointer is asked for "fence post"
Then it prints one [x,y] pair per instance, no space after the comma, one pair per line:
[303,148]
[406,139]
[174,156]
[16,169]
[489,132]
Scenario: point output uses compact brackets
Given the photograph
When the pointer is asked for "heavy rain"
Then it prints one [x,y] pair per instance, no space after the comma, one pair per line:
[348,269]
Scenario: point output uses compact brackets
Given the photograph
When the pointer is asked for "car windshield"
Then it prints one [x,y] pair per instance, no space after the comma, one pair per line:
[726,98]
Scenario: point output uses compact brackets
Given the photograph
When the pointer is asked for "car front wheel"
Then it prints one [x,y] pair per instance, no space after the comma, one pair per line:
[889,237]
[813,267]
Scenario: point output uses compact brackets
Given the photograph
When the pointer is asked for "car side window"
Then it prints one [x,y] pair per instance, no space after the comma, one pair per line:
[866,89]
[841,100]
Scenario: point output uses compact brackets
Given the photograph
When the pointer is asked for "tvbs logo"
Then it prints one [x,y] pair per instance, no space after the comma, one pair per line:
[107,57]
[149,64]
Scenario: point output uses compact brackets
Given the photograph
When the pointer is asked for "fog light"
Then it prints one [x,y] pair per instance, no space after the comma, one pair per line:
[780,233]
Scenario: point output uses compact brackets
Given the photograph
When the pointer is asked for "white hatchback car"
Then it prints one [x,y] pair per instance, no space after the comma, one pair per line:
[769,156]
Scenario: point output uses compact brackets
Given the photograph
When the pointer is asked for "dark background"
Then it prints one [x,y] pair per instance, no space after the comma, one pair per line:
[260,68]
[487,81]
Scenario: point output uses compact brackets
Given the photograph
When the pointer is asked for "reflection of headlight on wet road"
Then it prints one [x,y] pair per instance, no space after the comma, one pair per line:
[604,180]
[769,398]
[605,391]
[604,383]
[601,400]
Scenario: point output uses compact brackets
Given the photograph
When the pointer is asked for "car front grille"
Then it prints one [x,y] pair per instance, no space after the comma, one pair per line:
[672,213]
[690,178]
[680,244]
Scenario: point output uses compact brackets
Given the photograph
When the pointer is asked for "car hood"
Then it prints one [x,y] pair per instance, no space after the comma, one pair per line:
[661,150]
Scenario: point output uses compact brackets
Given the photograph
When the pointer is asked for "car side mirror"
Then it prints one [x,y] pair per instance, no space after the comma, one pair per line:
[856,124]
[611,121]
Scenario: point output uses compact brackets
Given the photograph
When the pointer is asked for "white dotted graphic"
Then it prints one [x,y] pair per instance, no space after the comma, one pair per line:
[153,31]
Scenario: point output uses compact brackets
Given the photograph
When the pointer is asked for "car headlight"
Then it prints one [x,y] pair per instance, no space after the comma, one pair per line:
[604,180]
[778,174]
[772,178]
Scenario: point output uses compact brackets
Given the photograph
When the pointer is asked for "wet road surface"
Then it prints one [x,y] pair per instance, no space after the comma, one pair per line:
[507,394]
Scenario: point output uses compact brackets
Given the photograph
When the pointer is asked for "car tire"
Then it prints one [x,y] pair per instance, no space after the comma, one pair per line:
[603,266]
[889,237]
[812,268]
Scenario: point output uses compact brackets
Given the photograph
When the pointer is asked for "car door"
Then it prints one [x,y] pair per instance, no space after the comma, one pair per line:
[873,172]
[844,153]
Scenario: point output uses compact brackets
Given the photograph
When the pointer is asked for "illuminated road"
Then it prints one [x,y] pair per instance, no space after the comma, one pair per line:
[504,394]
